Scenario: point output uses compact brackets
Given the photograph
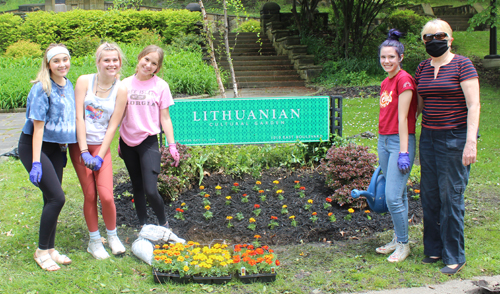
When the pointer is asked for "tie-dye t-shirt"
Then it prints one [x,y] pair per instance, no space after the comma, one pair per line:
[57,111]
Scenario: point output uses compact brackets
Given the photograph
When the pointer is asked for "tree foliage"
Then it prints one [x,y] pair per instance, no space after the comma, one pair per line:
[489,16]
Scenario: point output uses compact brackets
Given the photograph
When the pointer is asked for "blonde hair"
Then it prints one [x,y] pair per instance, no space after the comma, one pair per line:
[107,46]
[150,49]
[436,23]
[43,75]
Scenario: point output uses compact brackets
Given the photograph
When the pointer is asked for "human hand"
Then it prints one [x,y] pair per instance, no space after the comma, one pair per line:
[175,154]
[88,160]
[36,173]
[98,163]
[470,153]
[404,162]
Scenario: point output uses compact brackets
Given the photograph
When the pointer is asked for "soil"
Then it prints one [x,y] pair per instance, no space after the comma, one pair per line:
[195,227]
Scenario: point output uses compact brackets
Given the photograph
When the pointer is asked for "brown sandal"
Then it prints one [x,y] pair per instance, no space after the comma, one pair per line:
[46,262]
[61,259]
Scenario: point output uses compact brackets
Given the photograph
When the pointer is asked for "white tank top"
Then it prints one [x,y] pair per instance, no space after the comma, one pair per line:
[98,112]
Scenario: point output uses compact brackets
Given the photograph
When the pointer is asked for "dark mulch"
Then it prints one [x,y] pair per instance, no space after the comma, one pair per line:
[195,227]
[350,92]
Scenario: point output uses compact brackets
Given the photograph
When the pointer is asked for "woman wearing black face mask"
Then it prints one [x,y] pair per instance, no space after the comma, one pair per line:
[448,89]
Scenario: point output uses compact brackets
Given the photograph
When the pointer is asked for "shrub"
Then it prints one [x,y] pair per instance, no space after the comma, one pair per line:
[347,168]
[147,37]
[185,42]
[23,49]
[174,180]
[249,26]
[9,29]
[406,21]
[83,46]
[315,151]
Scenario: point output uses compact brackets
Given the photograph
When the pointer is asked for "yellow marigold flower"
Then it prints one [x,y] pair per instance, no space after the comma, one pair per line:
[207,207]
[183,203]
[218,187]
[180,258]
[190,243]
[202,187]
[229,217]
[367,211]
[284,206]
[276,182]
[310,201]
[223,264]
[350,210]
[228,197]
[292,216]
[258,183]
[157,246]
[279,191]
[185,268]
[194,262]
[252,220]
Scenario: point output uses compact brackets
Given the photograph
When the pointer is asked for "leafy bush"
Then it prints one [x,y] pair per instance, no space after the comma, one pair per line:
[83,46]
[249,26]
[23,48]
[314,152]
[174,180]
[349,72]
[414,52]
[347,168]
[147,37]
[185,42]
[9,29]
[406,21]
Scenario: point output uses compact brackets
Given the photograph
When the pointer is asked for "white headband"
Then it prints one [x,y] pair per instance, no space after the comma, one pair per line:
[57,50]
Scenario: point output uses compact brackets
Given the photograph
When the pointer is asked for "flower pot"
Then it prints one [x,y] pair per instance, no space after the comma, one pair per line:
[212,280]
[261,278]
[161,277]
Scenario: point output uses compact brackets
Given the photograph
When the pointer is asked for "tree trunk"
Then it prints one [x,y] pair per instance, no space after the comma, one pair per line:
[212,51]
[228,52]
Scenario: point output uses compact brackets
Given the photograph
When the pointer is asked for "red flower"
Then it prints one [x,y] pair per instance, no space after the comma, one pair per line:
[179,209]
[278,262]
[237,248]
[328,199]
[256,206]
[132,200]
[236,259]
[259,251]
[274,217]
[252,262]
[236,184]
[302,188]
[296,182]
[265,247]
[250,247]
[244,195]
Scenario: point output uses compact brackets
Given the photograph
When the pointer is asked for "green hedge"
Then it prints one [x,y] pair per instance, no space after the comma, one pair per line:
[120,26]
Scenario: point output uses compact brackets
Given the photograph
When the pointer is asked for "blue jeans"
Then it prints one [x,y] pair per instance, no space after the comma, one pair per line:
[443,183]
[395,188]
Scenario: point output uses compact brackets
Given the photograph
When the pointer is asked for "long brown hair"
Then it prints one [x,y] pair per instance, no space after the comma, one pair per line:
[150,49]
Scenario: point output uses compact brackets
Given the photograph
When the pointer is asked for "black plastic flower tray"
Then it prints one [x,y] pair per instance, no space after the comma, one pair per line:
[161,277]
[212,280]
[261,278]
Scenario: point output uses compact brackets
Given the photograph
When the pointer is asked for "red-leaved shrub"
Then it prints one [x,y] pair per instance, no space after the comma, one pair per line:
[347,168]
[173,180]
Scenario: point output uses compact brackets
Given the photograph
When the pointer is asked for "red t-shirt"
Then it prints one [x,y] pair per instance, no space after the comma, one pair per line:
[390,90]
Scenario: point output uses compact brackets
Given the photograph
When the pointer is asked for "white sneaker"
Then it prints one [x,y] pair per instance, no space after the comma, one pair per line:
[97,249]
[116,245]
[387,248]
[402,251]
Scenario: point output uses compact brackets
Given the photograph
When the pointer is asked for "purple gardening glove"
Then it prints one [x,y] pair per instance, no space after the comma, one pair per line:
[89,160]
[36,173]
[175,154]
[404,162]
[98,164]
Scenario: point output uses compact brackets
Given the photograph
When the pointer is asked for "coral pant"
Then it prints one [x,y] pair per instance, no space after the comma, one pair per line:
[93,183]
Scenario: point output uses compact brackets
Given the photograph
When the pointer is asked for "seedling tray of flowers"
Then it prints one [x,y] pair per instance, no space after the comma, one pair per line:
[192,262]
[255,264]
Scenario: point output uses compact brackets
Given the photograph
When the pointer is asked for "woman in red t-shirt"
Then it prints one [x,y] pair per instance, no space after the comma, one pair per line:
[396,144]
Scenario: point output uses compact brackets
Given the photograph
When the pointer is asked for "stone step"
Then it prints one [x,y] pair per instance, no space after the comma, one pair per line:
[260,73]
[255,62]
[241,79]
[269,84]
[261,67]
[262,57]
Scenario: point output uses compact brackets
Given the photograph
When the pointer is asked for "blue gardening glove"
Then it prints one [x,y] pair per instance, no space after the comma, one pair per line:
[36,173]
[175,154]
[98,164]
[89,160]
[404,162]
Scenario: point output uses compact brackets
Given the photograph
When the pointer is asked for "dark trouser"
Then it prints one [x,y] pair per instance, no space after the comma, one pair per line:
[51,159]
[143,165]
[443,183]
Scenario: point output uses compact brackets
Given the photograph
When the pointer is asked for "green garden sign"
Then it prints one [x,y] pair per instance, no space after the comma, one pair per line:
[251,120]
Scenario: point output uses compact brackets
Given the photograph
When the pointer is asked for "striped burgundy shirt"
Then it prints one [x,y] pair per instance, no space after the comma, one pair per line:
[444,101]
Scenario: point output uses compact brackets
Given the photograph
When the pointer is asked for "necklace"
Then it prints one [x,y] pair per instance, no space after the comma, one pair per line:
[60,89]
[103,90]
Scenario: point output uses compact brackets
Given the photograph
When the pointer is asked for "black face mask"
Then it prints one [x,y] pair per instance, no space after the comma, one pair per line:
[436,48]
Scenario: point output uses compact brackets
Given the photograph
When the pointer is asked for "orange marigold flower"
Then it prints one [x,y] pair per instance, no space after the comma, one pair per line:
[416,191]
[157,246]
[250,247]
[207,195]
[278,262]
[236,259]
[302,188]
[179,209]
[296,182]
[256,236]
[252,262]
[328,199]
[367,211]
[265,247]
[274,217]
[236,184]
[202,187]
[258,183]
[261,191]
[330,213]
[259,251]
[260,259]
[207,207]
[244,195]
[237,248]
[314,213]
[256,205]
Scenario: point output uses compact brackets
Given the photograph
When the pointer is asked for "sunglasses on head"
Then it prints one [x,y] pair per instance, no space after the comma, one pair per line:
[438,36]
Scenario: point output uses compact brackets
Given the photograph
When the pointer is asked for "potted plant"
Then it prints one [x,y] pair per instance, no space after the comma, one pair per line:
[255,263]
[171,262]
[212,264]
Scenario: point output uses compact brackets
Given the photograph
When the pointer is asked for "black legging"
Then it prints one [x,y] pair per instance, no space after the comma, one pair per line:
[51,158]
[143,165]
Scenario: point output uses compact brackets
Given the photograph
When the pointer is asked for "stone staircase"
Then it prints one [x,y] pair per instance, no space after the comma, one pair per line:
[256,64]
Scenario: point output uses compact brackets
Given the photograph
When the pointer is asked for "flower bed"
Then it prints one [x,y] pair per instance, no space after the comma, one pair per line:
[183,263]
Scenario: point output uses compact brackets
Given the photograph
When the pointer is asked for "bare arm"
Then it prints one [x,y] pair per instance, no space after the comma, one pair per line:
[80,93]
[420,105]
[38,128]
[116,119]
[403,108]
[167,126]
[471,91]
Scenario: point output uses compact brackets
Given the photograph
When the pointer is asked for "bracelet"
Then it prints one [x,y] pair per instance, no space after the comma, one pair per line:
[404,152]
[84,150]
[170,144]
